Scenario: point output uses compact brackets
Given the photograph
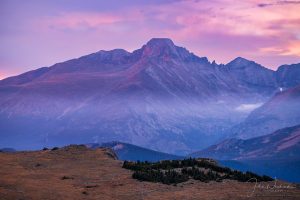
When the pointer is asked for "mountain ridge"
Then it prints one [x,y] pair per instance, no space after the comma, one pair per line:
[281,144]
[156,44]
[160,96]
[132,152]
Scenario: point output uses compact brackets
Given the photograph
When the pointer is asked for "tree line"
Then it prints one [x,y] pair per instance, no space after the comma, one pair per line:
[177,171]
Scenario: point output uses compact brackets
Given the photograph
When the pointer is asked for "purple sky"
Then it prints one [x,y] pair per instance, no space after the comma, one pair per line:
[35,33]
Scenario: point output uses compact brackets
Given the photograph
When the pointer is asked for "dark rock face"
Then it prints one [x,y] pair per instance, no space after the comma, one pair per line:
[288,75]
[160,96]
[252,74]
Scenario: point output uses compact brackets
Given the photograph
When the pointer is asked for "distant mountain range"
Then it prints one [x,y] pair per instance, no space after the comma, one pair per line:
[131,152]
[282,144]
[160,96]
[7,150]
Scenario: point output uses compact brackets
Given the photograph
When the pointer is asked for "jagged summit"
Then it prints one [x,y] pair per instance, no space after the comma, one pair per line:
[160,42]
[243,63]
[240,61]
[160,47]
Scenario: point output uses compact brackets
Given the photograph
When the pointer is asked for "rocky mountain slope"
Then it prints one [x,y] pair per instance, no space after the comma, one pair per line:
[160,96]
[282,110]
[288,75]
[282,144]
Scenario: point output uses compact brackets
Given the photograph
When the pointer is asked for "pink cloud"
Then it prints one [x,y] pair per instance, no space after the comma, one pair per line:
[219,29]
[78,20]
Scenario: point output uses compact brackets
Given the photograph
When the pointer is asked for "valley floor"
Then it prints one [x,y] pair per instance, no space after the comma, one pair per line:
[75,172]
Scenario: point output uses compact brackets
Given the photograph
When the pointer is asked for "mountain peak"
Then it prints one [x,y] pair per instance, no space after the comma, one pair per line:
[159,47]
[240,60]
[160,42]
[241,63]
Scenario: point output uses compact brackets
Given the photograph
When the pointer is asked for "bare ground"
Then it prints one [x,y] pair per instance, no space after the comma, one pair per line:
[76,172]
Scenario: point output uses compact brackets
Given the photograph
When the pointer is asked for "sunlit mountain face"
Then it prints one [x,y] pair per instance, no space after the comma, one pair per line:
[160,96]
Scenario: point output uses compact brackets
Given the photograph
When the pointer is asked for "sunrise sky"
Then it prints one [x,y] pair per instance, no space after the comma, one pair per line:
[35,33]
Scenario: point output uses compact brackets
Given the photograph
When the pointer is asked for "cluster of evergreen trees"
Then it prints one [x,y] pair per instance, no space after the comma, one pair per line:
[167,177]
[197,174]
[177,171]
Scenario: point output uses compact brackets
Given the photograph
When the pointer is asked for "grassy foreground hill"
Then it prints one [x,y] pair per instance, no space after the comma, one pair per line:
[77,172]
